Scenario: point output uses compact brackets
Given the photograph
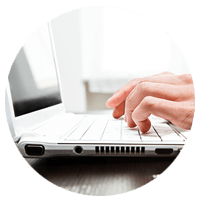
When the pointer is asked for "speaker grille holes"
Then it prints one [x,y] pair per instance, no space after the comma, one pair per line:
[119,150]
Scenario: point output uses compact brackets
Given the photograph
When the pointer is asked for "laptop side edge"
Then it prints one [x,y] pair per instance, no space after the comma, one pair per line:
[10,113]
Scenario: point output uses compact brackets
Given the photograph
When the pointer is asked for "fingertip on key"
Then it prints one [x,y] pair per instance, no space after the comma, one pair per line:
[131,124]
[144,126]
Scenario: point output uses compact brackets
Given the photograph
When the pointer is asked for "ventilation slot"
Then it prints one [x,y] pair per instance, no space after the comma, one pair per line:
[119,150]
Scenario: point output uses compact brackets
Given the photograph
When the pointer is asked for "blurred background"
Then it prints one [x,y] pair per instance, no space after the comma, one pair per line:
[98,50]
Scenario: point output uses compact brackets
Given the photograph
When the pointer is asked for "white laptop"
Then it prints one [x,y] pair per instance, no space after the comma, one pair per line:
[41,128]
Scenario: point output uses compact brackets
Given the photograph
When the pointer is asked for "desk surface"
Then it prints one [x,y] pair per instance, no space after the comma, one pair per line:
[100,176]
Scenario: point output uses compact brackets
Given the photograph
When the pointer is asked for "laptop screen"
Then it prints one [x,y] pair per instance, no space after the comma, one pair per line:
[33,79]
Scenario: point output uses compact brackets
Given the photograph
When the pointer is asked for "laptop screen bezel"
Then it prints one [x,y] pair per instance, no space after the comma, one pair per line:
[28,122]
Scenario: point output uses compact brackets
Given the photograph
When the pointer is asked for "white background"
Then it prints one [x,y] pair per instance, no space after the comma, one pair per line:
[106,46]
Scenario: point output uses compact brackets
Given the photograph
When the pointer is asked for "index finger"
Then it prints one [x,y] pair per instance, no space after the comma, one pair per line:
[159,107]
[120,95]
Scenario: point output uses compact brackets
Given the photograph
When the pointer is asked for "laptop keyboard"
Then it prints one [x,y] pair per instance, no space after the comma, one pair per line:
[106,128]
[59,126]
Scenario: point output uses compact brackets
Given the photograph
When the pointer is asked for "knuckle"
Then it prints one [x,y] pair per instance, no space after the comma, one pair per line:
[167,73]
[142,80]
[187,118]
[186,78]
[143,86]
[148,102]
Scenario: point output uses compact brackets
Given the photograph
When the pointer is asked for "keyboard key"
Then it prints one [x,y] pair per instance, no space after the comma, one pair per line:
[112,138]
[184,133]
[150,136]
[59,126]
[112,130]
[156,120]
[81,129]
[96,129]
[130,133]
[166,133]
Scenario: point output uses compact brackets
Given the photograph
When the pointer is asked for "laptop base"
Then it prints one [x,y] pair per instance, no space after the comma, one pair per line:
[80,149]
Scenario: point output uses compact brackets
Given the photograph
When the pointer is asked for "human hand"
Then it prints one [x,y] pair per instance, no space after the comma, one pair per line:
[164,95]
[117,101]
